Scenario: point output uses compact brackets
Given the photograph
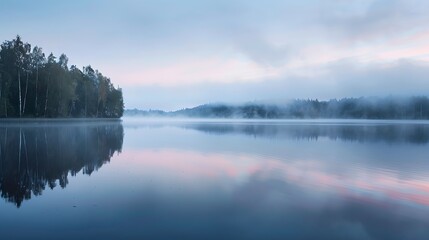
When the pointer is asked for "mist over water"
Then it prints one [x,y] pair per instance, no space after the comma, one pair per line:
[215,179]
[391,107]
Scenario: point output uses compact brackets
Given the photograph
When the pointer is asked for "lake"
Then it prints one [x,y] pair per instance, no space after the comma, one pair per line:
[150,179]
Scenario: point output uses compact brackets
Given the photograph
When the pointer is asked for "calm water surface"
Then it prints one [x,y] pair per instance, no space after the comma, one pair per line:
[143,179]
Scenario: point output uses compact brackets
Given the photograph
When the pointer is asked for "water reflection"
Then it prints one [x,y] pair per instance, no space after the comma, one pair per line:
[36,155]
[202,180]
[200,195]
[362,132]
[277,181]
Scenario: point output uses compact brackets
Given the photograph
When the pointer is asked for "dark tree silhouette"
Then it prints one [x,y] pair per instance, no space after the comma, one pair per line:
[33,86]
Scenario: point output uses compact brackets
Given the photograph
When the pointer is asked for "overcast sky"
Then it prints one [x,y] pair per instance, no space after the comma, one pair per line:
[173,54]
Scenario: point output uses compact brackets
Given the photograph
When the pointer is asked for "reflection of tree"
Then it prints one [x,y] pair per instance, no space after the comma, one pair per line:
[391,133]
[33,156]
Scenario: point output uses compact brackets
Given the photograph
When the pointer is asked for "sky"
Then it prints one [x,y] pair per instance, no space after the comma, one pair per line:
[169,55]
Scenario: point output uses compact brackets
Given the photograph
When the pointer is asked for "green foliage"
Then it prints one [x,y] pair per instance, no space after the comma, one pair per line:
[32,85]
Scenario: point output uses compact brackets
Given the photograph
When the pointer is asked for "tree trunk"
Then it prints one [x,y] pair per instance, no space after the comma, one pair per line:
[60,106]
[71,108]
[3,100]
[86,100]
[1,157]
[421,111]
[1,83]
[46,100]
[25,95]
[47,92]
[19,88]
[37,79]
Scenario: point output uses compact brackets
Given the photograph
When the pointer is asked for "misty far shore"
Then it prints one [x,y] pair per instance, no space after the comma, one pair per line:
[400,108]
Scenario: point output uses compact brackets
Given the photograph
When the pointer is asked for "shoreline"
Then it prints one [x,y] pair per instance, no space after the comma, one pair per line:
[43,122]
[58,119]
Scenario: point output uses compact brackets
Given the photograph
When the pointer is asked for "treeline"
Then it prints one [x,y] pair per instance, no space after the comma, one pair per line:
[33,85]
[346,108]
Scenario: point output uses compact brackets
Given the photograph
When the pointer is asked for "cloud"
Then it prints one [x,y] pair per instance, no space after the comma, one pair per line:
[369,20]
[196,71]
[234,50]
[253,45]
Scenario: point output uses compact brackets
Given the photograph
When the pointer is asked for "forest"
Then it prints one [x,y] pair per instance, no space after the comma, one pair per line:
[35,86]
[391,107]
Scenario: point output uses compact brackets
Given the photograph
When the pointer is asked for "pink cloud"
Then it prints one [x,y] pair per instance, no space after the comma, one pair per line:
[191,71]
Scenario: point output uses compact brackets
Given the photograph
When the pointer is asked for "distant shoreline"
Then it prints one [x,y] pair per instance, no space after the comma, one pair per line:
[406,108]
[60,120]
